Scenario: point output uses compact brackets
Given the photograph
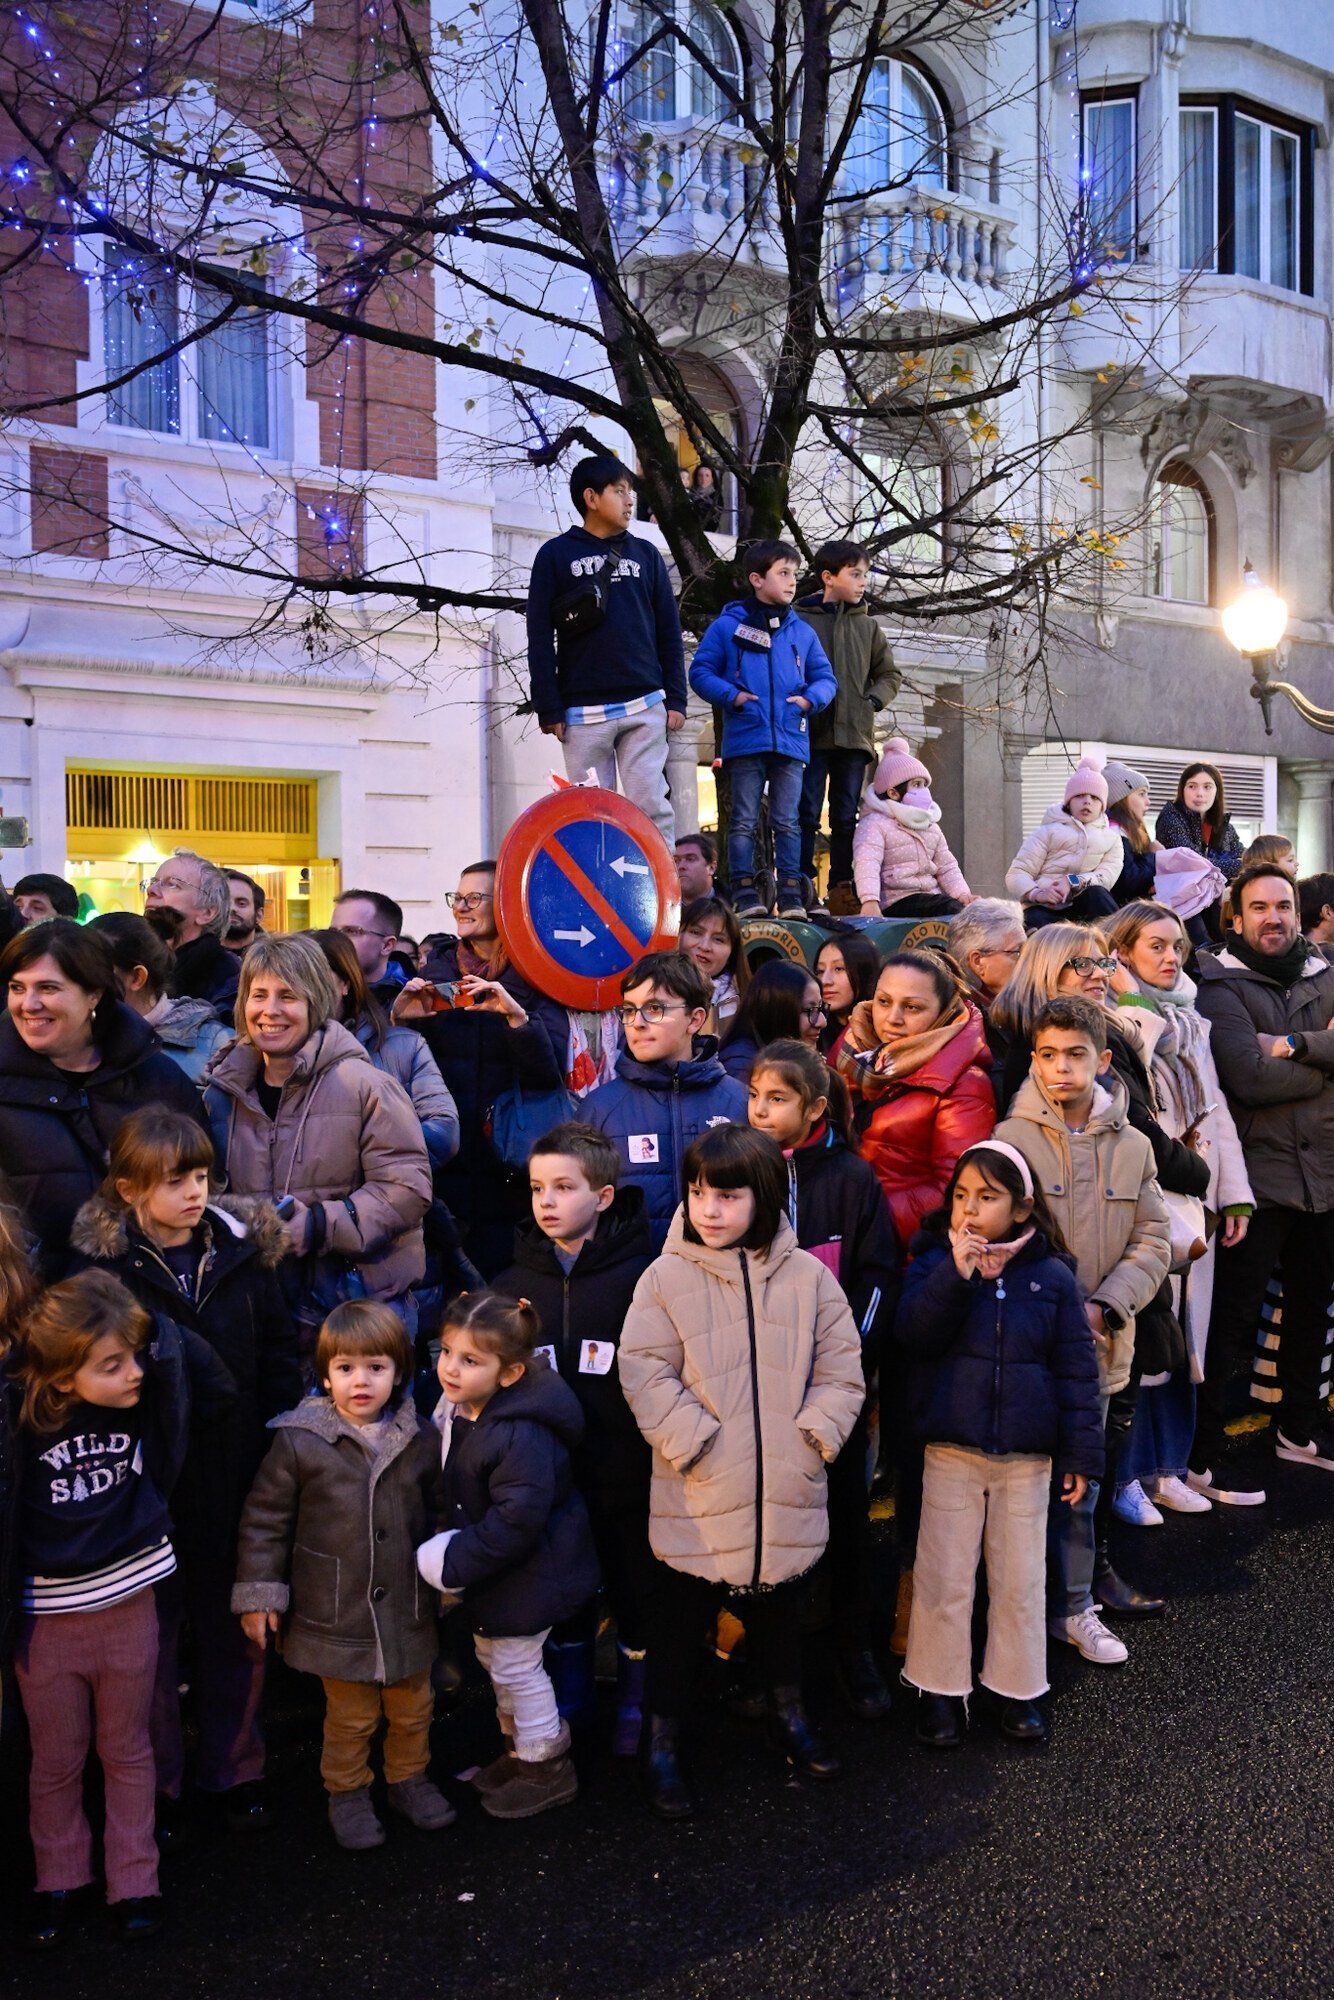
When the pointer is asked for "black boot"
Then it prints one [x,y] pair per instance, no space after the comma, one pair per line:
[1114,1594]
[1023,1720]
[137,1918]
[941,1721]
[795,1737]
[52,1914]
[862,1683]
[668,1793]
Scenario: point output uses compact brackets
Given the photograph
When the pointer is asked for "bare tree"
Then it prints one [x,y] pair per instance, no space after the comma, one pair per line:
[498,192]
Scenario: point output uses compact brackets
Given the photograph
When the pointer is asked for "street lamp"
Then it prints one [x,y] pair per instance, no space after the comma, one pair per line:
[1255,623]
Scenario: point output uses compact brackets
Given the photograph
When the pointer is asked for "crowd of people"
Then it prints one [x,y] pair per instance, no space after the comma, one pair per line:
[362,1305]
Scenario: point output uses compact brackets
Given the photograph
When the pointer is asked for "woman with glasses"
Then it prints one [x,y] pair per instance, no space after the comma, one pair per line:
[782,1004]
[498,1033]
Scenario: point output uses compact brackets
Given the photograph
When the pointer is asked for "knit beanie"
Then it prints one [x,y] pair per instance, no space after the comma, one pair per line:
[1087,777]
[1122,780]
[898,766]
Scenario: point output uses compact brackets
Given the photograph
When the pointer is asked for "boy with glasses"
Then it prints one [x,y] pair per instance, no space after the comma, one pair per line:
[669,1084]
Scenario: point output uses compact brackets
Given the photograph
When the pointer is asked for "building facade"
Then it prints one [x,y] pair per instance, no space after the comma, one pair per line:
[145,704]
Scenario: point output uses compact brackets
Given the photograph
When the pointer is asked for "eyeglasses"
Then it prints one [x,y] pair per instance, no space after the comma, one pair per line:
[812,1014]
[1083,965]
[161,882]
[1002,951]
[651,1012]
[359,930]
[456,901]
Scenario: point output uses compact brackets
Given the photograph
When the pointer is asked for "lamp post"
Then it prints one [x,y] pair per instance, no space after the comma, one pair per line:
[1255,623]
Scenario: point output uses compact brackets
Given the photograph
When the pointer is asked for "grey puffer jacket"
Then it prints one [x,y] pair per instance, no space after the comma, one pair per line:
[1283,1107]
[346,1142]
[329,1541]
[743,1369]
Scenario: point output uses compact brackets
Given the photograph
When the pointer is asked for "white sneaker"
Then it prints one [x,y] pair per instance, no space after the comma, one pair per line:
[1235,1491]
[1133,1505]
[1089,1636]
[1315,1449]
[1178,1498]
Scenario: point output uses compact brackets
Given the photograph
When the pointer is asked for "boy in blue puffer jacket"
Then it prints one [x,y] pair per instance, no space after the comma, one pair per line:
[764,667]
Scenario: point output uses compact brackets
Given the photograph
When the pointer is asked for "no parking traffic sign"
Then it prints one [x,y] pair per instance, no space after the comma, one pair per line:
[585,885]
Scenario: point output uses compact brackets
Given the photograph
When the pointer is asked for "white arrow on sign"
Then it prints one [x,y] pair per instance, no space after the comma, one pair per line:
[622,867]
[582,936]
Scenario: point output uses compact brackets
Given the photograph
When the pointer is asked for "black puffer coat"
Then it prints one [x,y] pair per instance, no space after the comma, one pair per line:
[236,1304]
[206,970]
[589,1302]
[56,1125]
[522,1556]
[1003,1364]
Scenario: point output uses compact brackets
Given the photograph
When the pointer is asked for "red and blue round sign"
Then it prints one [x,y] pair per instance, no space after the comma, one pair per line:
[585,885]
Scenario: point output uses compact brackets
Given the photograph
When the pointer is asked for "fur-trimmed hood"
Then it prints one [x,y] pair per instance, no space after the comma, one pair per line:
[101,1229]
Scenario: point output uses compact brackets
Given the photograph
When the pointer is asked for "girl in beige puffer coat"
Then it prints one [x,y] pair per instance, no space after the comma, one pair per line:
[741,1362]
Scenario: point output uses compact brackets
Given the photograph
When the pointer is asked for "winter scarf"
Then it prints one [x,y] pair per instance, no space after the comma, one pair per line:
[1182,1045]
[991,1262]
[917,818]
[1285,970]
[896,1060]
[473,966]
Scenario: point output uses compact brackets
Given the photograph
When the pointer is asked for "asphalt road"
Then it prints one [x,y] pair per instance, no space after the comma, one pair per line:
[1175,1837]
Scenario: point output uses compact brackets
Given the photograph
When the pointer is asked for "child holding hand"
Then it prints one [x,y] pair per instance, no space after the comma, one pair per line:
[1067,867]
[1005,1389]
[327,1557]
[517,1551]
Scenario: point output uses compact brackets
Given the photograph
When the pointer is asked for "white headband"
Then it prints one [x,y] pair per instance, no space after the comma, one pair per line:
[1009,1152]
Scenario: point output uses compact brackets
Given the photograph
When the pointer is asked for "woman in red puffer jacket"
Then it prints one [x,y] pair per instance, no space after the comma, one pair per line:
[915,1060]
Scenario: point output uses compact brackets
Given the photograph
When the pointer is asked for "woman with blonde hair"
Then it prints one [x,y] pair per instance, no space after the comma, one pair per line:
[299,1113]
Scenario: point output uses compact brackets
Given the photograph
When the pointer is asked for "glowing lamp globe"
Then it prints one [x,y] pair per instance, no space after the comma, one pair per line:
[1256,621]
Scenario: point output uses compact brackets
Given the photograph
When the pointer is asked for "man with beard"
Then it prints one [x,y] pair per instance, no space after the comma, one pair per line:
[187,903]
[247,908]
[1268,996]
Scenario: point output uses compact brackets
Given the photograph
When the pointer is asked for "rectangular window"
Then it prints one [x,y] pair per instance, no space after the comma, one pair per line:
[896,490]
[1245,195]
[139,319]
[1199,188]
[231,367]
[1107,178]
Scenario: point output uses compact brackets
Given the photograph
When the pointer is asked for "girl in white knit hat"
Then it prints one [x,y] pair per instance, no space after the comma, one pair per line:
[901,861]
[1065,870]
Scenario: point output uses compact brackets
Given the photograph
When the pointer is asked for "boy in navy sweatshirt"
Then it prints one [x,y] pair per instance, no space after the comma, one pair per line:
[605,658]
[764,667]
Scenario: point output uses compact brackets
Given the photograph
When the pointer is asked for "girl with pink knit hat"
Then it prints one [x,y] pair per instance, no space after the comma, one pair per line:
[1066,869]
[901,862]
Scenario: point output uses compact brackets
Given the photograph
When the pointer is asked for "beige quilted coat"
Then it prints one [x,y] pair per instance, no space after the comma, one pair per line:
[744,1398]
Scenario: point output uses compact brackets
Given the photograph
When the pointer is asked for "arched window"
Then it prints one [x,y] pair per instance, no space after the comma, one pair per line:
[669,81]
[1180,538]
[901,488]
[715,397]
[901,135]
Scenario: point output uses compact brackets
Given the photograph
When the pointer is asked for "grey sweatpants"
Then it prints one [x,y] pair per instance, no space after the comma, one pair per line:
[636,745]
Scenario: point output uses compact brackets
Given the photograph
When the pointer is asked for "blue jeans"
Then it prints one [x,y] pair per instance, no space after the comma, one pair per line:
[749,776]
[843,772]
[1160,1436]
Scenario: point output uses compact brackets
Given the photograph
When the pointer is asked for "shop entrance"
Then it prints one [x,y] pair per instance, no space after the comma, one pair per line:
[120,824]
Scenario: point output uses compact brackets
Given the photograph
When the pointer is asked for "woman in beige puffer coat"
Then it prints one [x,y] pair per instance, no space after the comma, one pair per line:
[741,1363]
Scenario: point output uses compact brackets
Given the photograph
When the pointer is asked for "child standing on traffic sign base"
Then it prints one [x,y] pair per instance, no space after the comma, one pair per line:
[605,658]
[764,667]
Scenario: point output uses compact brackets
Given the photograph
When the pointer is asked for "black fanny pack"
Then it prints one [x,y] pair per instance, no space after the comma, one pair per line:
[584,607]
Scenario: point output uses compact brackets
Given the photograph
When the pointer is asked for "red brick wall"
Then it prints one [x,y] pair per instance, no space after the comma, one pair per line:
[330,531]
[69,502]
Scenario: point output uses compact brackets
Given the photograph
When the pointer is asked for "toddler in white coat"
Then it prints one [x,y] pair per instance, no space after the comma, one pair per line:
[1066,868]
